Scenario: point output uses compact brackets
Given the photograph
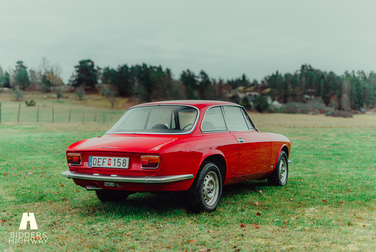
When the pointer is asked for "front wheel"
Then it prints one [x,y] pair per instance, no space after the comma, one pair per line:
[206,191]
[112,195]
[281,171]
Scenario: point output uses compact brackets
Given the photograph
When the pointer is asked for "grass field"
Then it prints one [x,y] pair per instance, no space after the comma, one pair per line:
[328,204]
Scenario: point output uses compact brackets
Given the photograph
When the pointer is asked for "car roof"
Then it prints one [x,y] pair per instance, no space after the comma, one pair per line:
[200,104]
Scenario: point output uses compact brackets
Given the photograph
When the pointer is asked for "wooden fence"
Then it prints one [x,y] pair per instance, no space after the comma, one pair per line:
[18,113]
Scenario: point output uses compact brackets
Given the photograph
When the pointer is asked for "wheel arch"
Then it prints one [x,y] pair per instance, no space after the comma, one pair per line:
[220,161]
[217,159]
[286,150]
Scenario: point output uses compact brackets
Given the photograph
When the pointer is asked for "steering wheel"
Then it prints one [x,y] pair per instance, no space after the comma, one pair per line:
[189,124]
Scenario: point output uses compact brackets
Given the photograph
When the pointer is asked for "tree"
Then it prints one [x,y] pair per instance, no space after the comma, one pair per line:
[111,97]
[17,93]
[33,78]
[189,80]
[86,74]
[123,80]
[80,91]
[58,93]
[239,82]
[54,79]
[49,75]
[20,75]
[5,80]
[204,86]
[260,103]
[245,103]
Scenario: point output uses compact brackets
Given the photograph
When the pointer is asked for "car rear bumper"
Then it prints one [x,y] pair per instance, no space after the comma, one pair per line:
[126,179]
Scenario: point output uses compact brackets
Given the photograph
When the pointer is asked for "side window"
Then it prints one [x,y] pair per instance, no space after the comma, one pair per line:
[235,119]
[213,120]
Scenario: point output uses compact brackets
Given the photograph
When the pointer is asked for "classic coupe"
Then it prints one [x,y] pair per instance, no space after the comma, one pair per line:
[192,146]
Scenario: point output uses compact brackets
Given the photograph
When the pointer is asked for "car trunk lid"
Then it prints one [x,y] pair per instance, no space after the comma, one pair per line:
[131,143]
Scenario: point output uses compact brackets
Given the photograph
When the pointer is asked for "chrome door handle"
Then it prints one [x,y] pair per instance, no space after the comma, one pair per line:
[241,140]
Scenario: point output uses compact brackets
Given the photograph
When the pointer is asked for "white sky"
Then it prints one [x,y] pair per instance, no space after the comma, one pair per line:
[224,38]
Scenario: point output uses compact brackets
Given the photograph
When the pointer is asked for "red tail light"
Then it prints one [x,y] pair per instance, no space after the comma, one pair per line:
[74,158]
[150,162]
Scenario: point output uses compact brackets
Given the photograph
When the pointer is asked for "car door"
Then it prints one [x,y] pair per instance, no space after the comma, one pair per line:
[254,147]
[217,136]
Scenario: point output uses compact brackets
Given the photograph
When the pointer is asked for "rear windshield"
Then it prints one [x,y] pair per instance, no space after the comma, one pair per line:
[156,119]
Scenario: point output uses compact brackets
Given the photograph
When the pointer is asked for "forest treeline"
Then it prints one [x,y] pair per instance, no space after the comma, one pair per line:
[349,91]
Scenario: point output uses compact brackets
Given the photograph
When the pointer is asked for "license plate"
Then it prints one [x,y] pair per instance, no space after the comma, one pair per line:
[109,162]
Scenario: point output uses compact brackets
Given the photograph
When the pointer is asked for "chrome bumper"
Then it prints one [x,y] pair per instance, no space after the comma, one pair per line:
[126,179]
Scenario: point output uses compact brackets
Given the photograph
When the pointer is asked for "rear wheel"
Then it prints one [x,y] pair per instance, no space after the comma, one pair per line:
[112,195]
[206,191]
[281,171]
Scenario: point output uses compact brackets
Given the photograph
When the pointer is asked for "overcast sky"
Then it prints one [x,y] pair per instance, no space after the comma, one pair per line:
[224,38]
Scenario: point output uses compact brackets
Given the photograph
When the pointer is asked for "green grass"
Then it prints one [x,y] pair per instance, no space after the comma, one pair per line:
[328,204]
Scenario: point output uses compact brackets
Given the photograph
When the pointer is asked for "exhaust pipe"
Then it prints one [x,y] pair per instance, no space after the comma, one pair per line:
[93,188]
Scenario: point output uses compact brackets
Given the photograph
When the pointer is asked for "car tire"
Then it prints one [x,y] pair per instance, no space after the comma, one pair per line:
[280,174]
[206,191]
[112,195]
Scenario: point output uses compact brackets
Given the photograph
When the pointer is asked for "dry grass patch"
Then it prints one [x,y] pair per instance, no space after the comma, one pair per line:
[278,120]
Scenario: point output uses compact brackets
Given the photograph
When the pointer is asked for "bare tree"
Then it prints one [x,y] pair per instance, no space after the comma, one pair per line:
[345,98]
[80,91]
[35,78]
[58,93]
[51,73]
[345,102]
[111,96]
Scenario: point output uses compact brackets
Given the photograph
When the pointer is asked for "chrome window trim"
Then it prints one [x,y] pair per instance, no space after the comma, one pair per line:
[249,124]
[250,120]
[158,133]
[224,119]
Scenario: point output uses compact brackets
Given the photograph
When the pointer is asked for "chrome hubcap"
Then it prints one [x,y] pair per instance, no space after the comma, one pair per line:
[283,170]
[210,188]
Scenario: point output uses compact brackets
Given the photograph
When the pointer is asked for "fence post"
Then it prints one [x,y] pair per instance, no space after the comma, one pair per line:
[53,114]
[103,118]
[38,114]
[70,111]
[95,117]
[0,112]
[19,111]
[83,118]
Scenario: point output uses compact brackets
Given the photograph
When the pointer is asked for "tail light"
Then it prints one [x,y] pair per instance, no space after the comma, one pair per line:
[150,162]
[74,158]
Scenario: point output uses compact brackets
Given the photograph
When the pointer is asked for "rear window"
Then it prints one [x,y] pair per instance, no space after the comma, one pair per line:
[157,119]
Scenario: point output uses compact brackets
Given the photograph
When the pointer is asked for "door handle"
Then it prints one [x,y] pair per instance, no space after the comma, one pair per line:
[241,140]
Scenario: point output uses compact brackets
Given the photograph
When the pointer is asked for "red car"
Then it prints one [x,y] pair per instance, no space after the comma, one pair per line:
[193,146]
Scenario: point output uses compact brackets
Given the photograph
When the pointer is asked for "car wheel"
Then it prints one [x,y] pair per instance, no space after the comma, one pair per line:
[206,191]
[281,171]
[112,195]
